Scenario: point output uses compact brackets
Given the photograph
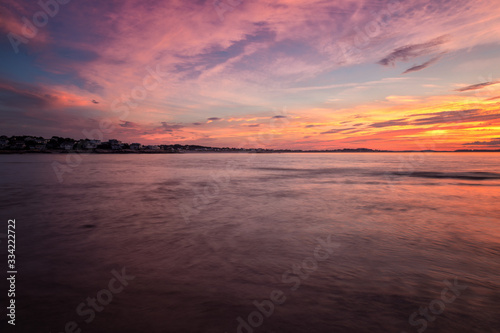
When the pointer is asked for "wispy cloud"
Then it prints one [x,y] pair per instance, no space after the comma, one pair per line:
[443,117]
[129,124]
[450,117]
[338,130]
[389,123]
[408,52]
[423,66]
[170,128]
[491,143]
[477,86]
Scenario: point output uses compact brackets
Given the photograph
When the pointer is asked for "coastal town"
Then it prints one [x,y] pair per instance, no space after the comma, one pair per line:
[56,144]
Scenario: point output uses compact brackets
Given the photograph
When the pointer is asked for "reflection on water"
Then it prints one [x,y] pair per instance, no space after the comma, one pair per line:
[397,226]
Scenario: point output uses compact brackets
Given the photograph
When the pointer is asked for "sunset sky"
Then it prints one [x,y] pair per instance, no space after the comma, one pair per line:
[271,74]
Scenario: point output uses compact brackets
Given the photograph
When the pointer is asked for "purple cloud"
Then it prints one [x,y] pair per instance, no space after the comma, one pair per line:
[477,86]
[389,123]
[492,143]
[129,124]
[169,128]
[423,66]
[339,130]
[412,51]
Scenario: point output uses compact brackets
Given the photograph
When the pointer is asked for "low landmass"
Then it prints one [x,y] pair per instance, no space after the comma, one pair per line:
[36,144]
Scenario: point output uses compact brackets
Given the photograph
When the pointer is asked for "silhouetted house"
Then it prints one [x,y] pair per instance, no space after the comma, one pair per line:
[19,145]
[115,144]
[153,147]
[135,146]
[170,149]
[90,144]
[67,145]
[4,142]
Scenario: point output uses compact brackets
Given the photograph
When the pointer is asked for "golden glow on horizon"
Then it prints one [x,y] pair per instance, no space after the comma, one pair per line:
[447,129]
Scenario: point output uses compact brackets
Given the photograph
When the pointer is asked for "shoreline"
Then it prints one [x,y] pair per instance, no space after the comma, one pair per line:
[140,152]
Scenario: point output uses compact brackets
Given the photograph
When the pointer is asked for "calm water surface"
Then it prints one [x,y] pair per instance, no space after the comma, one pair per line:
[209,236]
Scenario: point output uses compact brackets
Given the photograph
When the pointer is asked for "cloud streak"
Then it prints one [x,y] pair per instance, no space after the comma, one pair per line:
[390,123]
[423,66]
[408,52]
[338,130]
[491,143]
[165,127]
[477,86]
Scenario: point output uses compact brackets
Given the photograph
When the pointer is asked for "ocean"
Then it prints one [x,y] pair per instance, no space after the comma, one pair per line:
[227,242]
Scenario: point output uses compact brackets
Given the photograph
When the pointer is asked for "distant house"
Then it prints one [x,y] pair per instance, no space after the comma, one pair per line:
[19,145]
[135,146]
[153,147]
[4,143]
[169,149]
[115,144]
[90,144]
[67,145]
[37,147]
